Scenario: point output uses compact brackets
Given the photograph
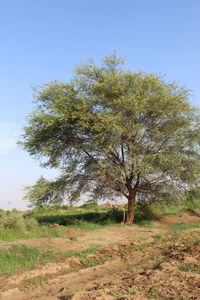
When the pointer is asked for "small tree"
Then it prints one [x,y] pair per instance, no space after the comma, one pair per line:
[116,132]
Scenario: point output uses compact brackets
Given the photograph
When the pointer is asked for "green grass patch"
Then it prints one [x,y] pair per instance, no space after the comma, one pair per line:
[12,234]
[99,217]
[87,226]
[189,268]
[91,261]
[164,207]
[85,253]
[142,223]
[184,226]
[20,257]
[158,236]
[142,246]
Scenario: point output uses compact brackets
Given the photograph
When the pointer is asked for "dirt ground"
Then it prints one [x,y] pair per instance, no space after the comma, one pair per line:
[133,263]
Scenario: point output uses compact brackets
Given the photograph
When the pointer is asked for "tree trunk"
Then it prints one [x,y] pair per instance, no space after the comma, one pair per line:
[131,208]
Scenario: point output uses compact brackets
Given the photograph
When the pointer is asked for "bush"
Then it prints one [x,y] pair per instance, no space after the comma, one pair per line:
[12,220]
[193,196]
[145,211]
[2,212]
[16,221]
[31,224]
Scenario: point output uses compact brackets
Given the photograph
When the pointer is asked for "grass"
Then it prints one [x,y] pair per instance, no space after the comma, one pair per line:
[158,236]
[13,224]
[35,281]
[85,253]
[184,226]
[21,257]
[160,208]
[88,217]
[189,268]
[91,261]
[142,223]
[12,234]
[87,226]
[142,246]
[99,217]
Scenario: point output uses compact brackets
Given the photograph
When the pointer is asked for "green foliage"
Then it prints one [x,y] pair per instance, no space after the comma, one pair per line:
[168,206]
[90,217]
[158,236]
[49,210]
[85,253]
[190,268]
[14,226]
[145,211]
[183,226]
[92,205]
[35,224]
[42,230]
[91,261]
[31,224]
[12,220]
[193,196]
[45,192]
[111,216]
[113,132]
[19,257]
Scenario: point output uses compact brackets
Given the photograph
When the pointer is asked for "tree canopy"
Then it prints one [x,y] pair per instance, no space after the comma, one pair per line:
[114,132]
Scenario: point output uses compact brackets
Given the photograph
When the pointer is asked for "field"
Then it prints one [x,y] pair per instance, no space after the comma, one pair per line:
[86,253]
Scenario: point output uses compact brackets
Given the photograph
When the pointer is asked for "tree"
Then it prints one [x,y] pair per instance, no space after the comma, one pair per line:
[114,132]
[45,192]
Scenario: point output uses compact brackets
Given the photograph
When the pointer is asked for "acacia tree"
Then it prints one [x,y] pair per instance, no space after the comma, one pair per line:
[115,132]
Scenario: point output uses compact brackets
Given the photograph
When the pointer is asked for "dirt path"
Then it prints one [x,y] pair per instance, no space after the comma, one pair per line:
[70,279]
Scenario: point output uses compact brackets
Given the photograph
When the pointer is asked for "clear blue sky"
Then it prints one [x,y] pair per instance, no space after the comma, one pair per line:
[43,40]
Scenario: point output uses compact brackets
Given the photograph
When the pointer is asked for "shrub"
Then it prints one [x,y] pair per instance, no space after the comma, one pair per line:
[2,212]
[31,224]
[12,220]
[193,196]
[145,211]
